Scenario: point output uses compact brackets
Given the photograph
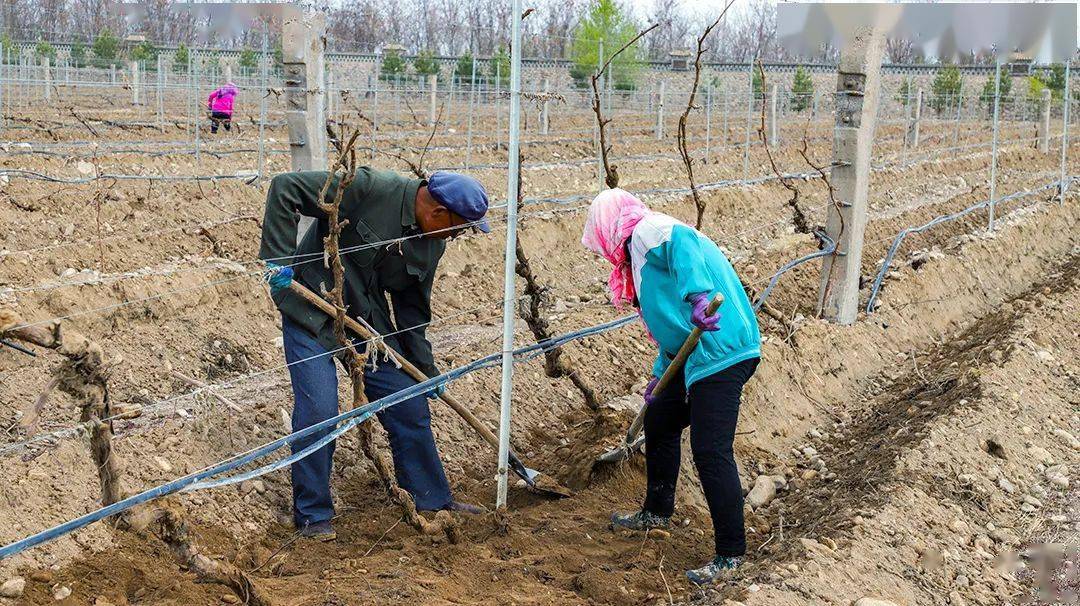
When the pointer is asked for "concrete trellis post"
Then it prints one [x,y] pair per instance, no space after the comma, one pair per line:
[773,97]
[708,121]
[857,89]
[724,112]
[196,106]
[749,114]
[374,111]
[433,98]
[544,118]
[228,72]
[660,112]
[135,83]
[498,98]
[994,146]
[398,92]
[46,78]
[472,112]
[956,128]
[160,92]
[303,47]
[1043,128]
[3,84]
[264,85]
[1067,101]
[916,118]
[112,73]
[330,91]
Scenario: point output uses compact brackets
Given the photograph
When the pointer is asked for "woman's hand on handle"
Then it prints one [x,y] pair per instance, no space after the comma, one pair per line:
[700,315]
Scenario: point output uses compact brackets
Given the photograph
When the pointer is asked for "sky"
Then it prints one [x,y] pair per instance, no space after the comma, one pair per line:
[693,7]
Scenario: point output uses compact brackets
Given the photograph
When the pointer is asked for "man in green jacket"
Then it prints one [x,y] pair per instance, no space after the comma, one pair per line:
[390,247]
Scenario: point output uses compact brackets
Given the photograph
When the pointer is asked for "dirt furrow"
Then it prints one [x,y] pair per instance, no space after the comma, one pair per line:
[865,468]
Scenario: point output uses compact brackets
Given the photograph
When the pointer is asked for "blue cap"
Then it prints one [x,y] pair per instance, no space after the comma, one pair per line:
[461,195]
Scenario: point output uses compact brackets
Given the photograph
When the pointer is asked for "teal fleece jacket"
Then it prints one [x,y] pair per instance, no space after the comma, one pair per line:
[671,262]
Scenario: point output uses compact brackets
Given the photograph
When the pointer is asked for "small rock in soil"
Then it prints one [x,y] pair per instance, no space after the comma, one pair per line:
[41,576]
[60,592]
[1006,485]
[1059,480]
[762,493]
[13,587]
[228,598]
[659,534]
[163,464]
[873,602]
[1040,454]
[1068,438]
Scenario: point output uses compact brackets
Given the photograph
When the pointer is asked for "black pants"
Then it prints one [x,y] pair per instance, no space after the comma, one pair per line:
[220,118]
[711,411]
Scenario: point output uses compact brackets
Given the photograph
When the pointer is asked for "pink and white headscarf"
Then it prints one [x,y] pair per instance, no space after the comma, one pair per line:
[613,215]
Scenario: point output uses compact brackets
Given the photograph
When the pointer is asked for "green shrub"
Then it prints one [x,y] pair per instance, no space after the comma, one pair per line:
[802,90]
[248,59]
[499,67]
[946,89]
[180,59]
[425,64]
[44,49]
[78,54]
[106,48]
[987,94]
[144,51]
[464,68]
[607,22]
[393,65]
[903,93]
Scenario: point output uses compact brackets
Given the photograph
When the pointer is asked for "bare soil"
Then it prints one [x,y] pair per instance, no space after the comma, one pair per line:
[974,342]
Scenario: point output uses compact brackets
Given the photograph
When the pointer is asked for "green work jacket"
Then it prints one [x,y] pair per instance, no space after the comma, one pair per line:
[379,206]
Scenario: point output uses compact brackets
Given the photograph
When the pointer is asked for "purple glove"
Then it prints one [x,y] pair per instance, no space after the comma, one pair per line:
[700,303]
[649,397]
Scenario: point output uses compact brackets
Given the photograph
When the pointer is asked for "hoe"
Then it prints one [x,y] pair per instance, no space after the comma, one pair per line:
[632,442]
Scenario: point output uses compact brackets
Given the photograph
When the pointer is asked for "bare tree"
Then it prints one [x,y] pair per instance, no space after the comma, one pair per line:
[445,27]
[899,50]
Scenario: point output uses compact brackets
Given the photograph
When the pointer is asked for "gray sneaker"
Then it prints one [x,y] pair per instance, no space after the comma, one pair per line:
[639,520]
[319,531]
[720,567]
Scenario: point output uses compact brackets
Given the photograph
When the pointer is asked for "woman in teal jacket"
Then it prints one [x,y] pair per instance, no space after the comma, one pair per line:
[670,272]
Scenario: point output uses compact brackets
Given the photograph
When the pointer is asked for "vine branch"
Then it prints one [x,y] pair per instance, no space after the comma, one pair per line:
[611,171]
[683,149]
[798,216]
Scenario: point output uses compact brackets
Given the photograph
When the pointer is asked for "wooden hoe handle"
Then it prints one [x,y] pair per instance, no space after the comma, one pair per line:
[406,365]
[673,369]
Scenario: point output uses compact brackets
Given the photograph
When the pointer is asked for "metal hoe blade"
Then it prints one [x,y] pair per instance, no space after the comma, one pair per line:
[621,452]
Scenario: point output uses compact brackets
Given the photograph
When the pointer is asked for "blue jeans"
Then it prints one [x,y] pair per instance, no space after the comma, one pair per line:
[408,423]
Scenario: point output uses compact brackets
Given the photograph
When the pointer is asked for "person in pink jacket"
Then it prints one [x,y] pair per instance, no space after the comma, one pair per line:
[220,104]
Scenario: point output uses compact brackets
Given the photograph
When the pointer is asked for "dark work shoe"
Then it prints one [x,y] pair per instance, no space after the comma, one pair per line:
[318,531]
[459,507]
[721,567]
[639,520]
